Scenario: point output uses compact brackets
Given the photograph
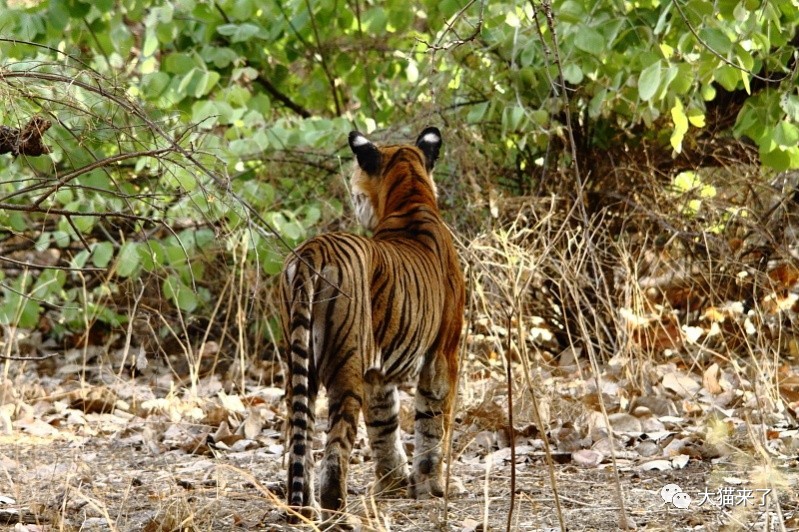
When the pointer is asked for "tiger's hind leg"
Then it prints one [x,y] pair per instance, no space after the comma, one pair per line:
[381,414]
[434,399]
[344,410]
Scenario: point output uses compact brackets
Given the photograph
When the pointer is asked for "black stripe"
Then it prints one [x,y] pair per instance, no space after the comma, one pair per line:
[427,415]
[300,320]
[383,422]
[298,349]
[299,407]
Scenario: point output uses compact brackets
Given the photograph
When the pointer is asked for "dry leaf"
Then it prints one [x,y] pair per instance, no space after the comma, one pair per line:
[587,458]
[622,422]
[232,403]
[471,525]
[681,384]
[656,465]
[680,461]
[710,379]
[253,425]
[648,448]
[36,427]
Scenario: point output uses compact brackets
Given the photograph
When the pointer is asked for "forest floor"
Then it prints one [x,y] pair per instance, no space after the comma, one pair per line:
[666,383]
[122,456]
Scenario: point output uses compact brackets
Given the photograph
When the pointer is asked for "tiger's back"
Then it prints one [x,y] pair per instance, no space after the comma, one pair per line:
[361,315]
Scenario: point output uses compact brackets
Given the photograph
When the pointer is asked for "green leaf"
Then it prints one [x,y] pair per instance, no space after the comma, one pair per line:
[102,253]
[728,77]
[573,73]
[589,40]
[686,181]
[150,44]
[649,81]
[181,295]
[128,259]
[717,40]
[205,114]
[239,32]
[786,134]
[790,104]
[779,159]
[155,84]
[61,238]
[271,261]
[477,112]
[512,118]
[292,230]
[683,81]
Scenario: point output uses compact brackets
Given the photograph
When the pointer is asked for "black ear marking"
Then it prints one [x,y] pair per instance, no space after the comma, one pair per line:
[367,153]
[429,141]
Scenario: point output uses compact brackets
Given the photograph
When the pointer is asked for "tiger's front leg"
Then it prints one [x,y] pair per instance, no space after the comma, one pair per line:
[434,400]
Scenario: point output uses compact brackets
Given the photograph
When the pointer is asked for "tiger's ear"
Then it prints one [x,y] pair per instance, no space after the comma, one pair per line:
[367,153]
[429,141]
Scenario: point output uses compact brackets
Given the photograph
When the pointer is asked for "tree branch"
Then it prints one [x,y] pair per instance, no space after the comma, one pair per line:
[282,98]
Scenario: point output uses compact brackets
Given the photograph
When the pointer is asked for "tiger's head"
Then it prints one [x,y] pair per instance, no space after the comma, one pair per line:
[394,177]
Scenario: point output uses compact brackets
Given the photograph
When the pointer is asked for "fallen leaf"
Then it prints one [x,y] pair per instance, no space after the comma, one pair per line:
[680,461]
[710,379]
[587,458]
[681,384]
[656,465]
[253,425]
[232,403]
[622,422]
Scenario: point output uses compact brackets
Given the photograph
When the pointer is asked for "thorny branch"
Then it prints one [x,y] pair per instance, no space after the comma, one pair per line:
[478,27]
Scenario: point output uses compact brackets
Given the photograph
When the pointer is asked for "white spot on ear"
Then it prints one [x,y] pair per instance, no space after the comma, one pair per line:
[431,138]
[359,141]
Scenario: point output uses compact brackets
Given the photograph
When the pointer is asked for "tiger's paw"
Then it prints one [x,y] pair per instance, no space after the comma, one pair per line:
[340,521]
[305,514]
[423,487]
[391,485]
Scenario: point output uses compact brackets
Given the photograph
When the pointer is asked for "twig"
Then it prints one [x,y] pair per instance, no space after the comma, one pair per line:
[323,59]
[47,267]
[97,164]
[511,429]
[547,4]
[17,358]
[282,98]
[65,212]
[450,28]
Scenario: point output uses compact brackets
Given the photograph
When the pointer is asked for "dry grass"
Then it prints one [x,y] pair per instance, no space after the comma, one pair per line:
[655,326]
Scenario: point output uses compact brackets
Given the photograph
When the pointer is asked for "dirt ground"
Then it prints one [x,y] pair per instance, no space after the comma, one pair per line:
[119,473]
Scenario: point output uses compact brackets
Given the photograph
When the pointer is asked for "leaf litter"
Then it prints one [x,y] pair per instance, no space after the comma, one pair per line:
[90,443]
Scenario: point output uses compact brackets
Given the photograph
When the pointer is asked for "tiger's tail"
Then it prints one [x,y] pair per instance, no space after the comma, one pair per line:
[300,492]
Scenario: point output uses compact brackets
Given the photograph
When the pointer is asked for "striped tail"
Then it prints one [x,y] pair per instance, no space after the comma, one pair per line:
[300,490]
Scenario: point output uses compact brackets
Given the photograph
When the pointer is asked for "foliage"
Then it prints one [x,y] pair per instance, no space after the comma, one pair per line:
[183,131]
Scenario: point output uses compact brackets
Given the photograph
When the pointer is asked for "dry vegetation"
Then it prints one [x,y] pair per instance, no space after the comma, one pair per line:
[645,335]
[619,351]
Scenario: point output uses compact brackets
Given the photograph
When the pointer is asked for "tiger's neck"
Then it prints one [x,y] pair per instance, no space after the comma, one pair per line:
[409,201]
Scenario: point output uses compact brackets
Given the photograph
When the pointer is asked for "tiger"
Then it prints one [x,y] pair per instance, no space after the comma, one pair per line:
[360,316]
